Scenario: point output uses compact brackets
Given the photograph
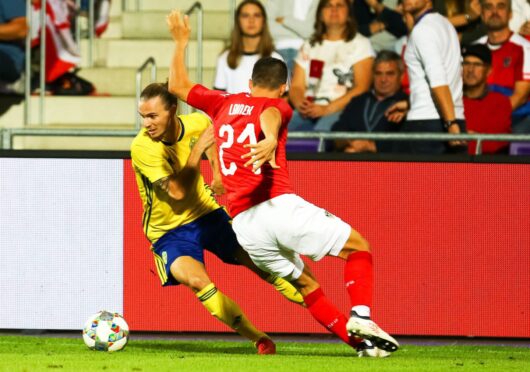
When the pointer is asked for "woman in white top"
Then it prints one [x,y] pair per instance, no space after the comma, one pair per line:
[250,40]
[332,67]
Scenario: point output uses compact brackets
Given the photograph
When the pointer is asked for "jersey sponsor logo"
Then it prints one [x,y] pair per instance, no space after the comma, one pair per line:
[240,109]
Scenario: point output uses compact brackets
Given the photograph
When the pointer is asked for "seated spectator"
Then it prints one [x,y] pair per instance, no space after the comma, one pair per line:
[486,112]
[464,15]
[250,40]
[510,73]
[378,21]
[291,23]
[62,51]
[331,68]
[366,112]
[13,30]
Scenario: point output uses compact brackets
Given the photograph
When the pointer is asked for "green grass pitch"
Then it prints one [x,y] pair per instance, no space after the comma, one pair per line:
[28,353]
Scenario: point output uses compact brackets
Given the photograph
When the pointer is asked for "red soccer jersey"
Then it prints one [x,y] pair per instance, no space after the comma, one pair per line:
[510,61]
[490,114]
[236,119]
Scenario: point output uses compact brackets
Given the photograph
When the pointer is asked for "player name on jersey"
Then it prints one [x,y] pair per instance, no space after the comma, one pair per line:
[240,109]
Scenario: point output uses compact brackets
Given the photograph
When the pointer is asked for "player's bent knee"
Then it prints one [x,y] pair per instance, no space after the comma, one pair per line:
[197,283]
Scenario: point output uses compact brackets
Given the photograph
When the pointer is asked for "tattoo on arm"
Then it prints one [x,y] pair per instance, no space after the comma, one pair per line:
[163,184]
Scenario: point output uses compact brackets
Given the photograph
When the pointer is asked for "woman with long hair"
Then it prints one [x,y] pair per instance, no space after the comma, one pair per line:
[332,67]
[250,41]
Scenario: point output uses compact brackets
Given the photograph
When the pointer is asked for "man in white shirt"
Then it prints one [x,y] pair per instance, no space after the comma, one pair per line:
[435,72]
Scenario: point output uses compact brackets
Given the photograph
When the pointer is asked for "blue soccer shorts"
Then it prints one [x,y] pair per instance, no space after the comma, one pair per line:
[212,232]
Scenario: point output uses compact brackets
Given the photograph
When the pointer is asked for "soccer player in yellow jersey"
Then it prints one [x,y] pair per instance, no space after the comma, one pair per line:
[181,216]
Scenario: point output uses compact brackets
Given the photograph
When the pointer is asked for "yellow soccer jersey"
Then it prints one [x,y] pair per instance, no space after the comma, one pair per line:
[152,161]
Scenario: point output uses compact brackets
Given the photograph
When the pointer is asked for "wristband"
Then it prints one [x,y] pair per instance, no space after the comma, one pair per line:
[449,123]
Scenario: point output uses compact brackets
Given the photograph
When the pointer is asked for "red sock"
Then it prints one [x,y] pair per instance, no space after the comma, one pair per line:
[358,276]
[329,316]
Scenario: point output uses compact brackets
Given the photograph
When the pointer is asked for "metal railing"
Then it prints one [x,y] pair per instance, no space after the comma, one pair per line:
[139,72]
[323,136]
[200,25]
[9,133]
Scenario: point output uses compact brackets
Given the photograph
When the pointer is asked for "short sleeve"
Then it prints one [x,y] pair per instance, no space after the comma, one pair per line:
[362,49]
[285,110]
[150,162]
[205,99]
[426,44]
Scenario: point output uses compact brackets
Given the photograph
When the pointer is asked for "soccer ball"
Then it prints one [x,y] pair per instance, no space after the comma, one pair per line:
[106,331]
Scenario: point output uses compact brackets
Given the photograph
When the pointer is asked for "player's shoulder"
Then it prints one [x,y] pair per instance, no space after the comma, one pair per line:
[143,146]
[139,140]
[194,123]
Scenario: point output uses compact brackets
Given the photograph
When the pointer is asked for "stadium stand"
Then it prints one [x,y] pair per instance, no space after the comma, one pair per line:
[129,40]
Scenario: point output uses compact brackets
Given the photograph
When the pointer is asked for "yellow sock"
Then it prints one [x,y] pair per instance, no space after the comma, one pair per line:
[228,312]
[286,289]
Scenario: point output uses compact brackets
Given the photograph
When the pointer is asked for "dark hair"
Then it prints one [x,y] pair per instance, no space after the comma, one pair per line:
[269,72]
[235,49]
[320,27]
[160,90]
[389,56]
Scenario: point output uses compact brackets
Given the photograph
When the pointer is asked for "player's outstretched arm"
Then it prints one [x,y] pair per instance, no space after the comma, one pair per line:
[181,182]
[217,182]
[179,27]
[265,150]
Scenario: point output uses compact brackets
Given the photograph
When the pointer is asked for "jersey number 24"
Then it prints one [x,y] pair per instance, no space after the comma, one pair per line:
[226,130]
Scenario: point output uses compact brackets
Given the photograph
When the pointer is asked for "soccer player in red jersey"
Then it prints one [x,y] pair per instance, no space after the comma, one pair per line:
[272,224]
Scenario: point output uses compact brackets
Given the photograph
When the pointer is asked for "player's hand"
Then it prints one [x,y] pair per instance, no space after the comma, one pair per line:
[205,140]
[179,27]
[217,186]
[260,153]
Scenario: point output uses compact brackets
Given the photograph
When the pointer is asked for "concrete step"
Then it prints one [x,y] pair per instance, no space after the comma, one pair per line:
[121,81]
[183,5]
[152,25]
[133,53]
[96,112]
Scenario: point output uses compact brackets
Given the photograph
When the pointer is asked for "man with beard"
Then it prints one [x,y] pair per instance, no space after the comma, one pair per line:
[510,60]
[486,112]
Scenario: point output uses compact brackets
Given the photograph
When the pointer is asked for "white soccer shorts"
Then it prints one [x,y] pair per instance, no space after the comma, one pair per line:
[276,232]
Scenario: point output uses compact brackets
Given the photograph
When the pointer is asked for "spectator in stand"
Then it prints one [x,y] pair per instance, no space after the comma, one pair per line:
[366,112]
[486,112]
[435,72]
[331,68]
[378,21]
[250,40]
[510,61]
[464,15]
[291,23]
[13,30]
